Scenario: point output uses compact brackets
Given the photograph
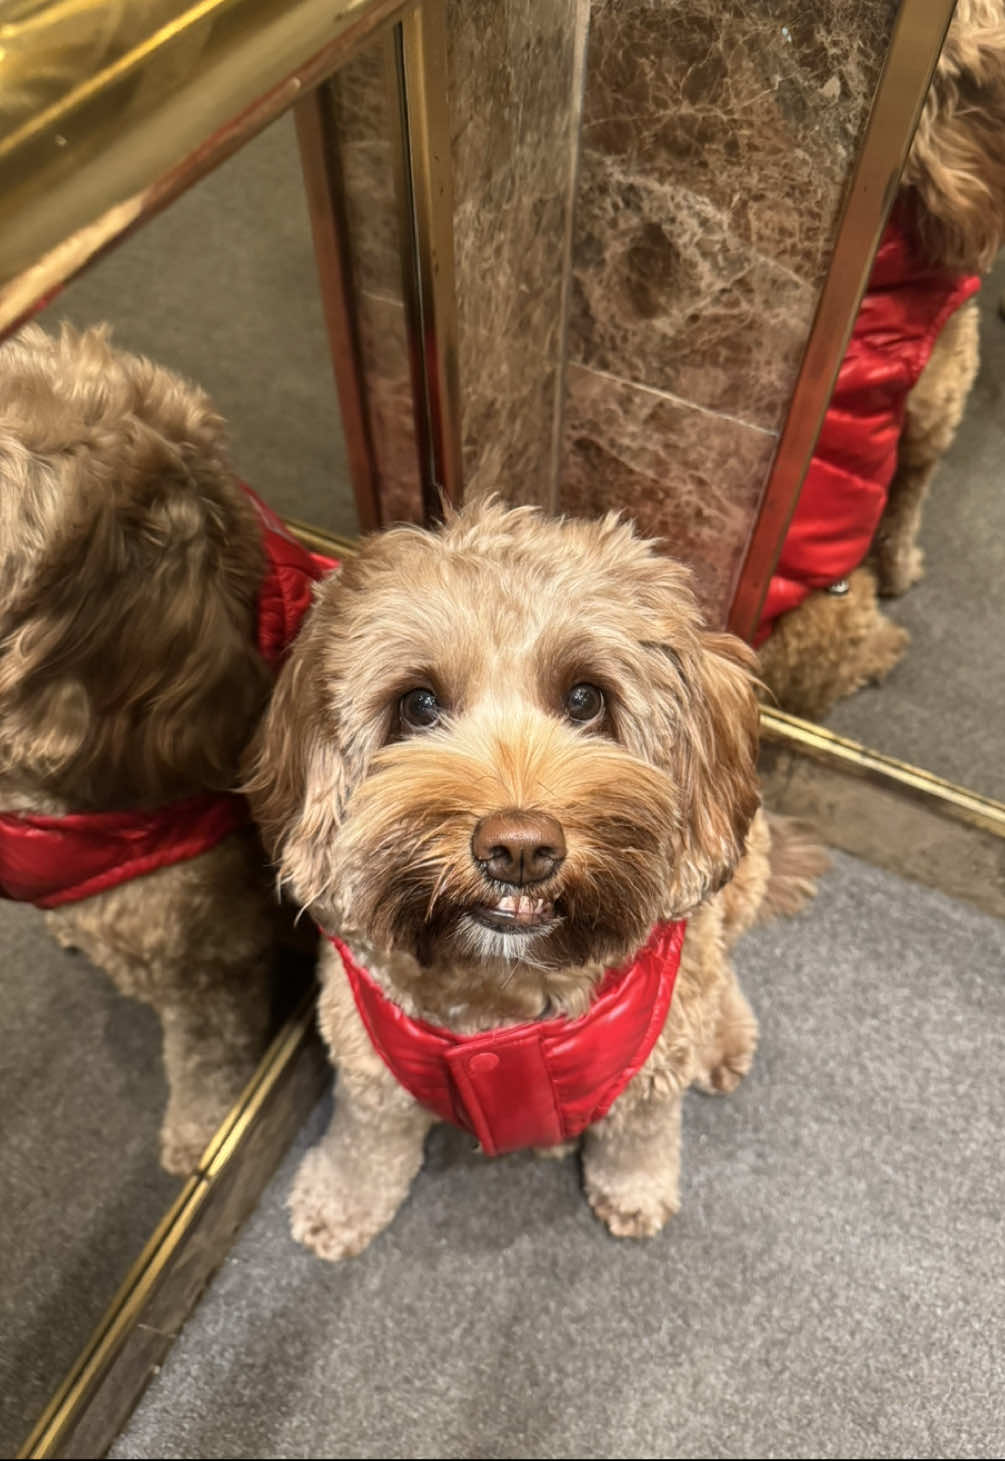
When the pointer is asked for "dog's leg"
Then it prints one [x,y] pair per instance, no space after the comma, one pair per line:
[730,1053]
[934,410]
[829,647]
[194,941]
[350,1186]
[214,1035]
[631,1165]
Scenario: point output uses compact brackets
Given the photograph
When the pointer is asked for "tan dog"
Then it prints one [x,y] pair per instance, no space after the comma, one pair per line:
[130,564]
[953,188]
[498,755]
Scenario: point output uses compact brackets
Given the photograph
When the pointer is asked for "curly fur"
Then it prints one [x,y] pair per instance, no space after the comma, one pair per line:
[953,185]
[500,613]
[129,571]
[954,177]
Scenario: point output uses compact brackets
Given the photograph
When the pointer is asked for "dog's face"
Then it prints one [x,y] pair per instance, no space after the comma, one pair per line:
[510,739]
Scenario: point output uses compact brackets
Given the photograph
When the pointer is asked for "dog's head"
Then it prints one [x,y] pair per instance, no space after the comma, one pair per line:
[129,570]
[510,738]
[954,178]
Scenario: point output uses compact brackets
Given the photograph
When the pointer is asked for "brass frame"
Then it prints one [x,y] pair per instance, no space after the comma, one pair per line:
[914,51]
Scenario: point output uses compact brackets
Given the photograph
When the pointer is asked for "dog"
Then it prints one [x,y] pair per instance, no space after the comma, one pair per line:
[503,765]
[134,665]
[951,207]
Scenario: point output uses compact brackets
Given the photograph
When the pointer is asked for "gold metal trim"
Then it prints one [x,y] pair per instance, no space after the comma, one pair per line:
[126,139]
[322,542]
[73,1396]
[857,760]
[914,50]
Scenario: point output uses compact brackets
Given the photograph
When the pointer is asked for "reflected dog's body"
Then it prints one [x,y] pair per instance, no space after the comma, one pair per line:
[499,754]
[130,565]
[953,199]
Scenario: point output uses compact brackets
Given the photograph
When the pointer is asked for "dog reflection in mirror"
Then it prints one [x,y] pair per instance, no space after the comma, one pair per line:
[130,683]
[504,765]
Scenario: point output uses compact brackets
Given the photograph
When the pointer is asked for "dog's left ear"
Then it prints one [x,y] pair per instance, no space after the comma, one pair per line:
[295,776]
[711,752]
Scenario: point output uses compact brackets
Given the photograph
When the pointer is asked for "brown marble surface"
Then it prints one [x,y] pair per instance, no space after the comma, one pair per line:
[387,375]
[511,78]
[367,139]
[717,140]
[685,475]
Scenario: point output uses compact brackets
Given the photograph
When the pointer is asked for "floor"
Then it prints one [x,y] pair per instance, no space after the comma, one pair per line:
[943,707]
[832,1286]
[81,1095]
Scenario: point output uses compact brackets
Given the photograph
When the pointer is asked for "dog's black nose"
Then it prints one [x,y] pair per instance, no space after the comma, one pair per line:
[518,847]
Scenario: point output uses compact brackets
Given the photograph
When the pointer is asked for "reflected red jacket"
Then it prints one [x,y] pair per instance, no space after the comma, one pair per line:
[534,1084]
[905,306]
[49,861]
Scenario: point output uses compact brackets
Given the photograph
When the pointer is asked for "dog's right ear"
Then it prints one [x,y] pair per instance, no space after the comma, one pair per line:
[295,776]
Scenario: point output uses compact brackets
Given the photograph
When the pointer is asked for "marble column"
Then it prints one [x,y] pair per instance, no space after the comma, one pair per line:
[515,74]
[717,139]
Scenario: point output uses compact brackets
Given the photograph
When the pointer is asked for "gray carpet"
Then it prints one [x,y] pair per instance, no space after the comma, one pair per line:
[223,288]
[81,1097]
[832,1286]
[943,707]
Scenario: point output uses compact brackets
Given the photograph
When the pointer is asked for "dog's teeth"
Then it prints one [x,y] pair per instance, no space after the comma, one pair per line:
[508,905]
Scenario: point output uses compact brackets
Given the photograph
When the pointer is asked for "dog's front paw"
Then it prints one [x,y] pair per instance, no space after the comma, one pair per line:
[183,1142]
[896,572]
[725,1074]
[333,1217]
[641,1216]
[557,1153]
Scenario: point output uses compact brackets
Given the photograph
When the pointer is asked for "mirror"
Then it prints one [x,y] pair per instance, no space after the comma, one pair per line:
[222,289]
[884,616]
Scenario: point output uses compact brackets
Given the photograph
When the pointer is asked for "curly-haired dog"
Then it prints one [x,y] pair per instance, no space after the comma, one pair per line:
[503,759]
[132,674]
[951,213]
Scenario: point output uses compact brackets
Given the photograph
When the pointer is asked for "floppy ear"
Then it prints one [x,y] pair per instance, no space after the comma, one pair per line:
[295,774]
[716,756]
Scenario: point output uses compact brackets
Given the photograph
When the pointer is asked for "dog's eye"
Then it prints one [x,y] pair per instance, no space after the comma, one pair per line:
[419,709]
[584,704]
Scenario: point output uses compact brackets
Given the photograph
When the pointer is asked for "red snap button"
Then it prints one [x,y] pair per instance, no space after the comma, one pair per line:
[483,1062]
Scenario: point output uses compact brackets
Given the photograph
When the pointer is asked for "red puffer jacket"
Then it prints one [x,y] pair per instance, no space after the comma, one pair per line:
[904,308]
[534,1084]
[49,861]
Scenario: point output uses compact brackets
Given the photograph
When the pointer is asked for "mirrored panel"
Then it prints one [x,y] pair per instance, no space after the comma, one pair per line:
[132,1026]
[885,614]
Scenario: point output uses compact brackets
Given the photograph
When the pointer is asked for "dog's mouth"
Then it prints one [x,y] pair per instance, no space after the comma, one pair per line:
[516,913]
